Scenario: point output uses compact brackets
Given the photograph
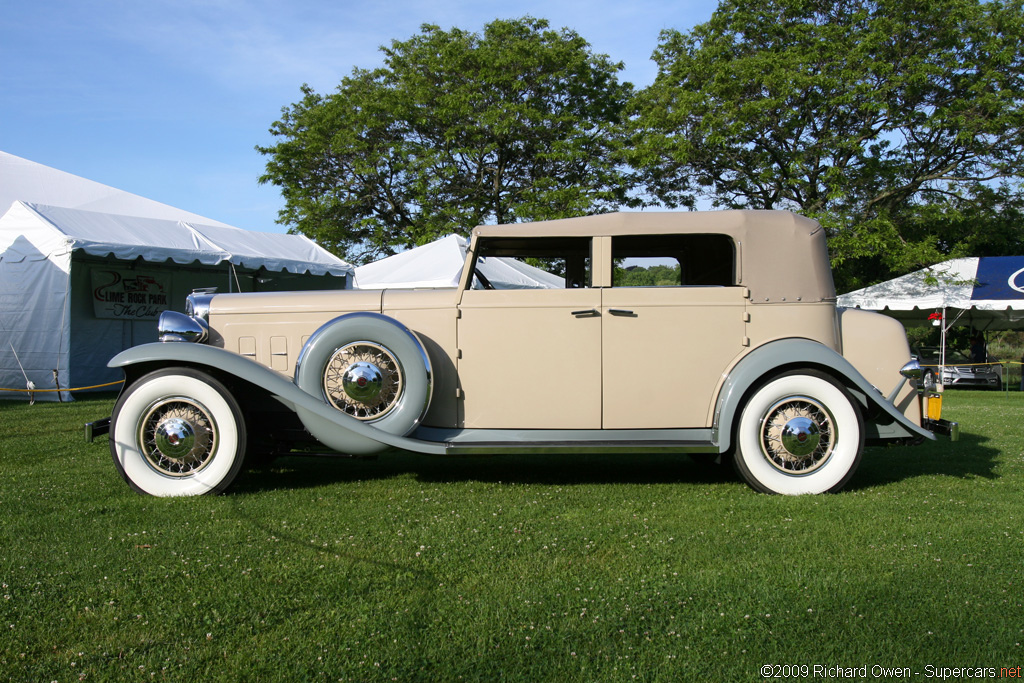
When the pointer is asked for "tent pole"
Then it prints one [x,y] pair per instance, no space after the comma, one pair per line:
[942,357]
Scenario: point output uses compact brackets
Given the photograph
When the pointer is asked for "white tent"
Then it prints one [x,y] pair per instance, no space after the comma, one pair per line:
[76,287]
[985,292]
[440,263]
[26,181]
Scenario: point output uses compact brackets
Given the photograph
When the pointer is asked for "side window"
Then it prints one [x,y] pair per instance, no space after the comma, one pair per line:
[673,261]
[533,263]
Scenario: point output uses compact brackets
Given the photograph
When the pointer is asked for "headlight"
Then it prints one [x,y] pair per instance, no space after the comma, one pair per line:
[178,327]
[912,370]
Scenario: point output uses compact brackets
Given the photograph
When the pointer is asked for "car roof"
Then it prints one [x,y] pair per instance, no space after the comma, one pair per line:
[780,256]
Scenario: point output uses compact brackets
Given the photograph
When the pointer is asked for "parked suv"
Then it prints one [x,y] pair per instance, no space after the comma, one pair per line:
[744,353]
[958,371]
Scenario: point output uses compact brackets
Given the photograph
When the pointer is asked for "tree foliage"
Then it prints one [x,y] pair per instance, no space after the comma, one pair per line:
[647,276]
[456,129]
[896,123]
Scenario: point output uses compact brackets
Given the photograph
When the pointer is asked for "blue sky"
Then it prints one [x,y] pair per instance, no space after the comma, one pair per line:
[168,98]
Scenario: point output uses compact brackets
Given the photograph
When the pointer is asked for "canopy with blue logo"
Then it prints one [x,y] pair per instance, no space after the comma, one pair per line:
[985,292]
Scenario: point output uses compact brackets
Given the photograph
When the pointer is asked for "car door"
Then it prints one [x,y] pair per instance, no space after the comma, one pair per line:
[531,358]
[666,344]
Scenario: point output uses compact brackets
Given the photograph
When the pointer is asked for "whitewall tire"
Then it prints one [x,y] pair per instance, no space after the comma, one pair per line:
[177,432]
[799,433]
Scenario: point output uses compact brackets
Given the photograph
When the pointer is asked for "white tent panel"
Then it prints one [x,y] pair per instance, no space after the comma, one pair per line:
[27,181]
[273,251]
[439,264]
[48,255]
[510,273]
[157,240]
[34,334]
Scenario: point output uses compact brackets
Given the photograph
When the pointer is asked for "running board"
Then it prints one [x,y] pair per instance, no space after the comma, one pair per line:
[497,441]
[496,448]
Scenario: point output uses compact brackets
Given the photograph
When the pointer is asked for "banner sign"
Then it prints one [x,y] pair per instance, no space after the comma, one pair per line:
[129,295]
[999,278]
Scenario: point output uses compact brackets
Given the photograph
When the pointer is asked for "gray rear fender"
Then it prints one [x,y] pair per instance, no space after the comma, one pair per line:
[333,428]
[776,357]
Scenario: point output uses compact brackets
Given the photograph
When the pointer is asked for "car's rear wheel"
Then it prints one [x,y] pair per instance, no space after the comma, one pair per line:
[798,433]
[177,432]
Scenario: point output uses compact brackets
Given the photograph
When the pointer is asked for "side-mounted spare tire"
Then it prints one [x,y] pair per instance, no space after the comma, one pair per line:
[370,367]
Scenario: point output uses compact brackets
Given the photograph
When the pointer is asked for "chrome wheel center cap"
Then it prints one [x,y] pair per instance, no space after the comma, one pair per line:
[800,436]
[175,437]
[362,381]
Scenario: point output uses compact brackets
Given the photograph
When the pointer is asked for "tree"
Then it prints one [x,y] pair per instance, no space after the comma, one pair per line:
[455,130]
[877,117]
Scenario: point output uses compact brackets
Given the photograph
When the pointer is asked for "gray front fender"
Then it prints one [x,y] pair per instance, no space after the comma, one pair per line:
[776,356]
[335,429]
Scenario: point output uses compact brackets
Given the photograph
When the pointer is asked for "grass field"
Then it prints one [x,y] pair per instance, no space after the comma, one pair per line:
[531,569]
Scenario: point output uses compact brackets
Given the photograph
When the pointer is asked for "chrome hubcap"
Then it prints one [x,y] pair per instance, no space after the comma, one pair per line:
[175,437]
[178,437]
[364,380]
[798,435]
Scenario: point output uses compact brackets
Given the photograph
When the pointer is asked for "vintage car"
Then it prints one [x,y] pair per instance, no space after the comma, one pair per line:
[745,356]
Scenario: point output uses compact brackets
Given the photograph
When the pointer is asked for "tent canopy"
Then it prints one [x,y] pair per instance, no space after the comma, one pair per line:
[53,230]
[86,269]
[440,263]
[987,292]
[26,181]
[76,287]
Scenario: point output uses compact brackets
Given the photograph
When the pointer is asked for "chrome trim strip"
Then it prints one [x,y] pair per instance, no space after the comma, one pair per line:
[96,428]
[581,447]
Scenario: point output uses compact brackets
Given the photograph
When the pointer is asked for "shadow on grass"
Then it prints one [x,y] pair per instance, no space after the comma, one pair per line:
[302,472]
[966,458]
[969,457]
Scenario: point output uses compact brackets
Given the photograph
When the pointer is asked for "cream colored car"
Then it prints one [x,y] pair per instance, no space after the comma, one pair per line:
[742,352]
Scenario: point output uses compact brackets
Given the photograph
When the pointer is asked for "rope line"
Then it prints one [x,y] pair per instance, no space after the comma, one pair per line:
[40,391]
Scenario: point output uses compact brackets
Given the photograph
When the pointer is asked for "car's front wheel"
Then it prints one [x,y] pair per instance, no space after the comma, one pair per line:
[177,432]
[799,433]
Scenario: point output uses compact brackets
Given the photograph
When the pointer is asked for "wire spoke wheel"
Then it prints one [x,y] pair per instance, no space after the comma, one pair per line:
[369,367]
[800,432]
[177,432]
[798,435]
[364,380]
[178,437]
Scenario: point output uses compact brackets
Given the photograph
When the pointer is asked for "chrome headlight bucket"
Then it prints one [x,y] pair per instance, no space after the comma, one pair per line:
[178,327]
[912,370]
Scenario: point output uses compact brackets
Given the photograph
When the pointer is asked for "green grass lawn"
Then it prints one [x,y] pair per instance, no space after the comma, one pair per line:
[602,568]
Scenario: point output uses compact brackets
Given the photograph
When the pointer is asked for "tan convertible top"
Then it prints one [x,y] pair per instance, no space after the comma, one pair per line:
[781,257]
